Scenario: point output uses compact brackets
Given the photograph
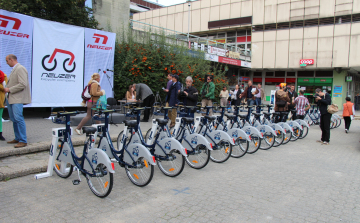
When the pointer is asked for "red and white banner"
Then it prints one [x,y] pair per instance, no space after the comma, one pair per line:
[99,58]
[217,51]
[58,64]
[16,32]
[230,61]
[307,61]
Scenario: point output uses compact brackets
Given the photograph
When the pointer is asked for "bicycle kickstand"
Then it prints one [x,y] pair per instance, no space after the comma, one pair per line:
[77,181]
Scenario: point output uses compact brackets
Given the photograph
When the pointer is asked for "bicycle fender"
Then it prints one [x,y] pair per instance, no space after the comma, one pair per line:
[66,154]
[277,127]
[97,156]
[302,122]
[266,128]
[169,144]
[249,130]
[286,127]
[294,124]
[104,146]
[238,133]
[137,151]
[218,135]
[197,139]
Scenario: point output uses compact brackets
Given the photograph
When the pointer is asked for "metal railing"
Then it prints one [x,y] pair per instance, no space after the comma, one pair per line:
[182,39]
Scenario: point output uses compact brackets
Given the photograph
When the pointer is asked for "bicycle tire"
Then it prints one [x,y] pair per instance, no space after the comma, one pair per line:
[279,138]
[304,132]
[296,133]
[287,137]
[254,145]
[222,152]
[268,141]
[198,158]
[133,173]
[62,171]
[339,121]
[119,138]
[172,168]
[240,148]
[103,184]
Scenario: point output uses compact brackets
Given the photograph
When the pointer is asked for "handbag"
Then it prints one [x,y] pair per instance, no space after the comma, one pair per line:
[333,108]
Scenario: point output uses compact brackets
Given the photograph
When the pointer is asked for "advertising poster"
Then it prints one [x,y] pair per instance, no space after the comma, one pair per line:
[99,58]
[58,64]
[16,32]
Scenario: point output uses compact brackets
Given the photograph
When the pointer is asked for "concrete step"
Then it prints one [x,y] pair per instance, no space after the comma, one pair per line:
[31,159]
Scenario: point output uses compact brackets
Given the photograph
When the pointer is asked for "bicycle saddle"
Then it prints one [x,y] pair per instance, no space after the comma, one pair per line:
[188,120]
[130,123]
[229,116]
[257,114]
[162,121]
[242,116]
[89,130]
[211,118]
[267,113]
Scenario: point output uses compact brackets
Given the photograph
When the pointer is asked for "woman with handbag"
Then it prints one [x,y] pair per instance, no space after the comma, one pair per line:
[348,113]
[95,92]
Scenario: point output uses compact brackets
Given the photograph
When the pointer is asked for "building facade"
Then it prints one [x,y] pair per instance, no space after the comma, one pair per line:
[310,43]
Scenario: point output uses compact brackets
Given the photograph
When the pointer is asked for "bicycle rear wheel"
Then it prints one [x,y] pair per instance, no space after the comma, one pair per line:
[304,132]
[254,145]
[268,141]
[222,152]
[174,166]
[287,136]
[198,158]
[62,169]
[279,138]
[141,174]
[240,148]
[101,184]
[296,134]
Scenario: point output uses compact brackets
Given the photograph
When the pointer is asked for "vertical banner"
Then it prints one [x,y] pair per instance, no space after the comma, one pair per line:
[99,58]
[58,64]
[16,33]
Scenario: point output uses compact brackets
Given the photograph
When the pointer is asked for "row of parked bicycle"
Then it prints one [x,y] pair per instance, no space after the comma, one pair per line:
[192,140]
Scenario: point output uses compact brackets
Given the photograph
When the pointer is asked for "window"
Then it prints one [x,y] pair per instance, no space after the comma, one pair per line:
[257,74]
[324,73]
[311,22]
[283,25]
[231,34]
[290,74]
[279,73]
[270,26]
[269,74]
[297,24]
[231,40]
[305,73]
[326,21]
[221,35]
[241,33]
[356,17]
[258,28]
[343,19]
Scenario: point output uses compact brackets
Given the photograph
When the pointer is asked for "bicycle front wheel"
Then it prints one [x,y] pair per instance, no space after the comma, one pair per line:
[221,152]
[304,132]
[198,158]
[296,134]
[279,138]
[240,148]
[288,136]
[254,145]
[174,166]
[62,169]
[141,173]
[268,141]
[102,182]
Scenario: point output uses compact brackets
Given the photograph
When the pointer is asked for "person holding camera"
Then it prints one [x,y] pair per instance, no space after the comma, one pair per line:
[189,96]
[282,102]
[207,93]
[323,100]
[172,98]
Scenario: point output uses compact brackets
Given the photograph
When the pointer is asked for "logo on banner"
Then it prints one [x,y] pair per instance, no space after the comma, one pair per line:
[4,23]
[97,38]
[52,63]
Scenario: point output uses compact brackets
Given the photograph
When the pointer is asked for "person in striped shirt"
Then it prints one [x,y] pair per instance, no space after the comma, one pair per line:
[302,105]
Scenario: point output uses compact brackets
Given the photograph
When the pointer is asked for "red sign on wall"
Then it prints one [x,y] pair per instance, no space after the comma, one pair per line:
[307,61]
[230,61]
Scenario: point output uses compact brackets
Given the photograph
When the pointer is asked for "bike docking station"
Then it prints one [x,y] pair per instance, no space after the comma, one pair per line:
[57,134]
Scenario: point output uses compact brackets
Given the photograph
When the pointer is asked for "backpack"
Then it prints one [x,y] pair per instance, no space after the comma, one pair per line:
[85,95]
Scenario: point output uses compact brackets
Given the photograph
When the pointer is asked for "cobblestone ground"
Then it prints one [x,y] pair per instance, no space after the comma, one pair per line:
[302,181]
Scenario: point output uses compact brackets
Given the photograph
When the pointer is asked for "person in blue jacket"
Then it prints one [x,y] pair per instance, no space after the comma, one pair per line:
[172,98]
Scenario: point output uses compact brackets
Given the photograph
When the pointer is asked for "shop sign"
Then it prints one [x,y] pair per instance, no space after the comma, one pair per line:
[246,64]
[233,55]
[338,89]
[323,80]
[212,57]
[230,61]
[217,51]
[307,61]
[348,79]
[220,40]
[305,80]
[244,78]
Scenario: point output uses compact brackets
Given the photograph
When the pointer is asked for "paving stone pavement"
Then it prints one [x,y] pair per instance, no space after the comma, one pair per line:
[302,181]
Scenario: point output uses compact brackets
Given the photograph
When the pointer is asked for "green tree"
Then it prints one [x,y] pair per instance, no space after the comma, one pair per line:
[148,57]
[73,12]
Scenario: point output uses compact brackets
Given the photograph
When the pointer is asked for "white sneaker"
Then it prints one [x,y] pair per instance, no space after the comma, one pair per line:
[78,131]
[346,131]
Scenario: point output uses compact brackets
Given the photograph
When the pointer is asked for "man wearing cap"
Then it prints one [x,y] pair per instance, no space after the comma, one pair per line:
[323,100]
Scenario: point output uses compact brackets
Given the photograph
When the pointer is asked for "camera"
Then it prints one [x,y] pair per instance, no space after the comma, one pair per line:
[316,95]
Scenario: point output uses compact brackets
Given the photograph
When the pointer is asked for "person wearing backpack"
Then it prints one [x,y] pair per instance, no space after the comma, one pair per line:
[282,102]
[348,113]
[95,93]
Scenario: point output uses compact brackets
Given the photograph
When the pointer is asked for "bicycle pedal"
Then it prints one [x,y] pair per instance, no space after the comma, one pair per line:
[76,182]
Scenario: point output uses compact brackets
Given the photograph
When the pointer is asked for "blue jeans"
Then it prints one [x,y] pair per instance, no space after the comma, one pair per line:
[16,116]
[258,102]
[250,102]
